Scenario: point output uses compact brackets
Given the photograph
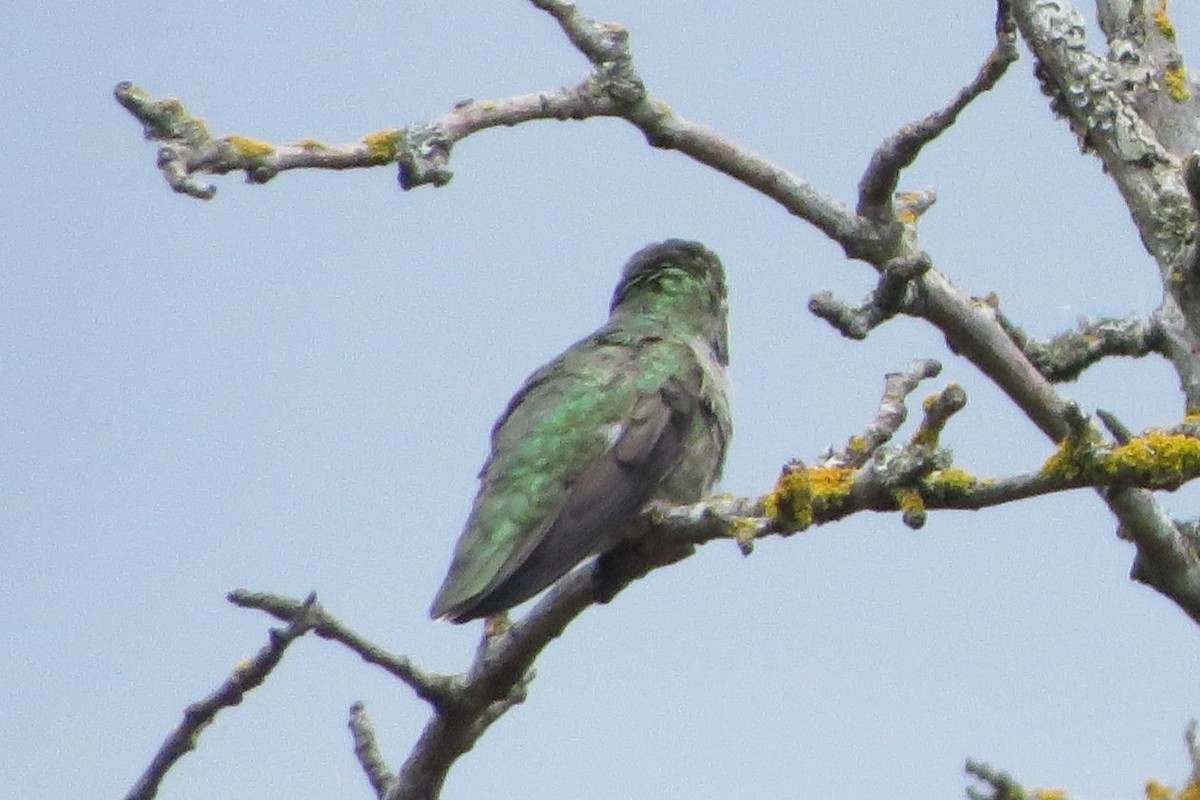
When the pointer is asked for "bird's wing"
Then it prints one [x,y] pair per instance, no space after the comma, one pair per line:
[577,452]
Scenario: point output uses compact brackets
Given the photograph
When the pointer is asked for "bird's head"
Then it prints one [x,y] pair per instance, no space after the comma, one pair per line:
[679,283]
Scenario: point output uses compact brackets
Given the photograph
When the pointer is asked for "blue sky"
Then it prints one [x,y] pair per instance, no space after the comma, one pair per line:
[289,388]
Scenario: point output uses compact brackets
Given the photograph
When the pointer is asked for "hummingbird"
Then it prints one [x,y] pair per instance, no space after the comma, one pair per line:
[635,412]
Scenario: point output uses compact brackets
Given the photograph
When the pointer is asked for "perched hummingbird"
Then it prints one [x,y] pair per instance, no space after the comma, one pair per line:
[637,411]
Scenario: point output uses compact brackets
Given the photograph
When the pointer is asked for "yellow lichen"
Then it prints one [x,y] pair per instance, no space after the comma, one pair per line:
[1169,458]
[1175,78]
[857,444]
[831,482]
[909,207]
[1158,791]
[1163,22]
[1156,460]
[911,503]
[926,436]
[383,144]
[1070,461]
[830,489]
[312,145]
[790,502]
[742,530]
[251,148]
[948,483]
[912,507]
[1049,794]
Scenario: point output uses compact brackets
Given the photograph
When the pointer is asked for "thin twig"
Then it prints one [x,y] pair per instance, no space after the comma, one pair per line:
[431,687]
[246,676]
[901,149]
[892,412]
[883,303]
[367,751]
[1000,784]
[938,410]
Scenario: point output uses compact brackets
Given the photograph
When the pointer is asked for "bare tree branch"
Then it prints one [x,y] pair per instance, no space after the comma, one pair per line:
[437,690]
[422,150]
[246,676]
[1120,433]
[900,150]
[367,751]
[879,306]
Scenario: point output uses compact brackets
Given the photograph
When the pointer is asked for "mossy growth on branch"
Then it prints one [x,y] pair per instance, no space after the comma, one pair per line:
[1160,791]
[1049,794]
[912,507]
[802,495]
[1175,79]
[383,144]
[742,532]
[1156,460]
[948,484]
[250,148]
[1163,22]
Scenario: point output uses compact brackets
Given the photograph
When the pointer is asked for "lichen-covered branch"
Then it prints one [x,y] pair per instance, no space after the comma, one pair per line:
[1064,357]
[1142,39]
[1104,100]
[422,149]
[1100,99]
[973,329]
[913,478]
